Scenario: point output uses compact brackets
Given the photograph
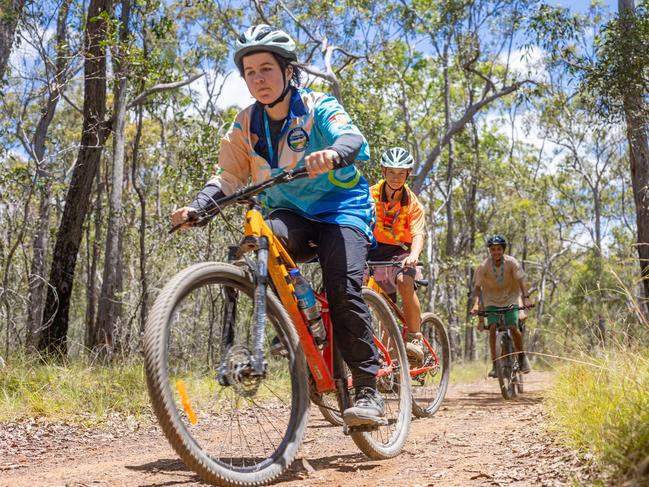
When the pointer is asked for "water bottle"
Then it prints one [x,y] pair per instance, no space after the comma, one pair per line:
[309,306]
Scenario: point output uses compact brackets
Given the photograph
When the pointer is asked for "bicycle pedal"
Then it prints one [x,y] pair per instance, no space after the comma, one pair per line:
[348,430]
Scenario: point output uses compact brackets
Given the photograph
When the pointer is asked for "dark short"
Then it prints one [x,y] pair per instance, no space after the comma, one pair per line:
[386,277]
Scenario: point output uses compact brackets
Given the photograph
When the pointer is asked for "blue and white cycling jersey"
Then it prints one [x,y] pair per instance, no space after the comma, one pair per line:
[314,122]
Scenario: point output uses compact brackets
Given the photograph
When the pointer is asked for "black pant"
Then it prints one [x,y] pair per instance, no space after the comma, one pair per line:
[342,252]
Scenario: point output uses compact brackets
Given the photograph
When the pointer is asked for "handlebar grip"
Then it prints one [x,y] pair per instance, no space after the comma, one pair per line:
[339,162]
[193,217]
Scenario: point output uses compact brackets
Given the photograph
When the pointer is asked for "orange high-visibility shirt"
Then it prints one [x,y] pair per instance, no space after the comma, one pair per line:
[398,224]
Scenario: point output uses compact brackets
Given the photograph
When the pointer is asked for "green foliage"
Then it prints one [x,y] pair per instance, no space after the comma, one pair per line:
[78,392]
[622,66]
[466,372]
[602,407]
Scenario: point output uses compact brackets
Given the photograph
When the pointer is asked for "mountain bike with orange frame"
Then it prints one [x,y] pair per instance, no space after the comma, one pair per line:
[233,410]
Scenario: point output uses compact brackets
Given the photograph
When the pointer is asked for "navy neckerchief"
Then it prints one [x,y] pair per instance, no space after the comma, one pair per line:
[259,124]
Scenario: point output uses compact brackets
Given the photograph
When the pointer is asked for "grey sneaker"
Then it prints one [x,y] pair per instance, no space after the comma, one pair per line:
[368,409]
[415,350]
[524,364]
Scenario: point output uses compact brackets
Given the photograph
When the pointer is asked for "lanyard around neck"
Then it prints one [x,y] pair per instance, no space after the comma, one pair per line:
[269,140]
[499,278]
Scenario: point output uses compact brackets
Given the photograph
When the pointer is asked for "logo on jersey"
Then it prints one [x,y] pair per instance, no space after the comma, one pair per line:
[297,139]
[341,118]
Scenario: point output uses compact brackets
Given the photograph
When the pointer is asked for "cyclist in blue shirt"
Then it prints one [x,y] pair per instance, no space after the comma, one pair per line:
[329,215]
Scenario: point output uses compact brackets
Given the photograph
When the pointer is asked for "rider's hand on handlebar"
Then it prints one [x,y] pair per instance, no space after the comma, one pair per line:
[410,261]
[320,162]
[474,310]
[185,217]
[527,303]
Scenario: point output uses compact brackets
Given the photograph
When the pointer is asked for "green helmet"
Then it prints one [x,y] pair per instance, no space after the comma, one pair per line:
[397,158]
[263,37]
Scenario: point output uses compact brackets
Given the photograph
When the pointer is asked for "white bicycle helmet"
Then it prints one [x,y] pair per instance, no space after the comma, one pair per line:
[397,158]
[263,37]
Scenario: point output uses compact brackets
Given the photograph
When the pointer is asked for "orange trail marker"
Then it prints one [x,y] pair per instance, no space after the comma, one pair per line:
[184,398]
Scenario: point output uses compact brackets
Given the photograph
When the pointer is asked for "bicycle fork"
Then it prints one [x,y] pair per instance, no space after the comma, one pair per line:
[261,282]
[257,361]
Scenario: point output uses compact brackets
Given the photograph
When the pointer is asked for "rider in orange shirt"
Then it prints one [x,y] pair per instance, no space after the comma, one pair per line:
[399,233]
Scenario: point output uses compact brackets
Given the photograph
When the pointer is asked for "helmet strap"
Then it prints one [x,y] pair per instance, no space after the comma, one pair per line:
[394,191]
[287,89]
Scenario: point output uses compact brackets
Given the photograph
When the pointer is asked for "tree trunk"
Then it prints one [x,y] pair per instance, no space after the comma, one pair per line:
[470,348]
[144,283]
[432,256]
[94,253]
[11,12]
[599,265]
[36,299]
[53,341]
[449,167]
[106,315]
[637,128]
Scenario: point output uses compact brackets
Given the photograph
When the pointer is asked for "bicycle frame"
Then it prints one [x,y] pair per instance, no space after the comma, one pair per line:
[277,264]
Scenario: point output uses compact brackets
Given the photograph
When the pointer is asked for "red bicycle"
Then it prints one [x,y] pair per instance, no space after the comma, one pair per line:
[429,382]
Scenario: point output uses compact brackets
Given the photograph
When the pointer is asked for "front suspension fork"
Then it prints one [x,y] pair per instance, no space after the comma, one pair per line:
[229,317]
[261,284]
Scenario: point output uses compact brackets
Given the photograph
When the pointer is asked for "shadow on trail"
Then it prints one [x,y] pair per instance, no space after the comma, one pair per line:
[297,471]
[168,465]
[493,400]
[352,462]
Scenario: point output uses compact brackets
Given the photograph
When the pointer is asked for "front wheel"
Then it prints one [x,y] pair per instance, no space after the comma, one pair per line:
[504,366]
[519,383]
[429,387]
[393,384]
[227,424]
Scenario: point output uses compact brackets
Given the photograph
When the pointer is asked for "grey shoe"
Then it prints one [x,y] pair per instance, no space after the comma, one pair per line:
[524,364]
[415,350]
[368,409]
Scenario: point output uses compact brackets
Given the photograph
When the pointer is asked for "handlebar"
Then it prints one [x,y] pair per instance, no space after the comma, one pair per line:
[388,263]
[199,218]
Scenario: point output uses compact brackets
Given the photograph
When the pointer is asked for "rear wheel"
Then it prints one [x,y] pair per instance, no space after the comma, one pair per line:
[330,406]
[248,431]
[393,384]
[429,388]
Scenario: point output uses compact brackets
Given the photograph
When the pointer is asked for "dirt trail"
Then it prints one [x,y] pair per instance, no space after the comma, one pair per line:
[476,439]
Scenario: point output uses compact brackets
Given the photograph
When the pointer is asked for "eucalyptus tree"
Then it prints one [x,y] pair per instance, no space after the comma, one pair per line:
[53,339]
[10,13]
[613,66]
